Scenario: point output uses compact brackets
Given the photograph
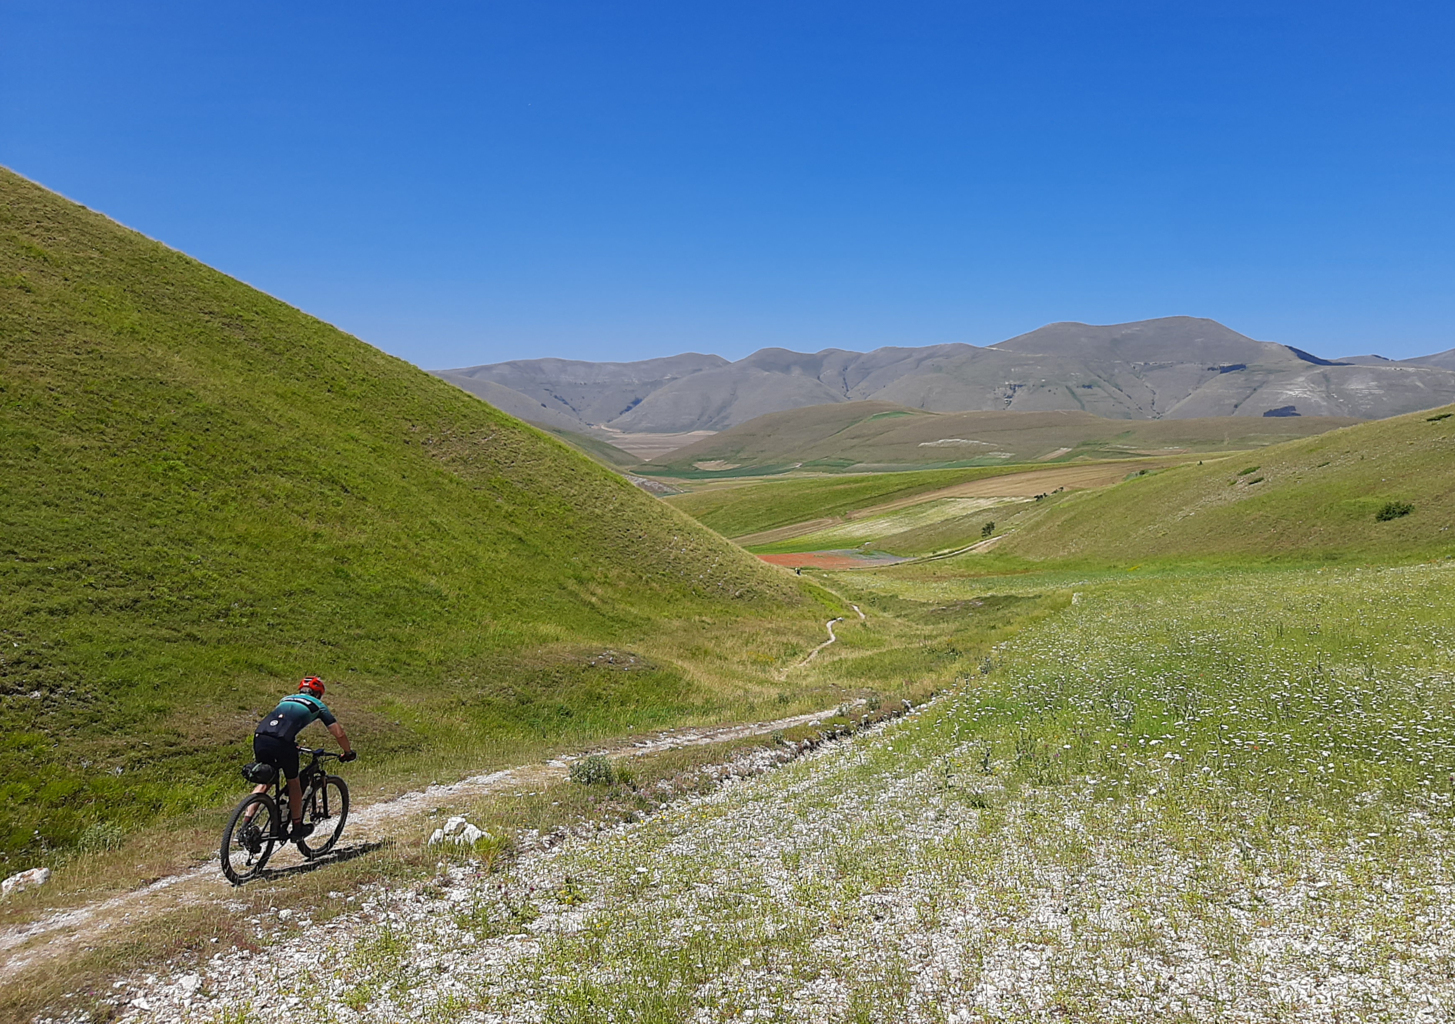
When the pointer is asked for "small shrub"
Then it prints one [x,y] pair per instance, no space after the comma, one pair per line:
[99,837]
[987,529]
[777,737]
[491,850]
[489,919]
[572,893]
[1441,416]
[1393,510]
[1250,469]
[592,769]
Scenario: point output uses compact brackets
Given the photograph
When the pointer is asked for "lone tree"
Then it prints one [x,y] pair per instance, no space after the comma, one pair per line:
[987,529]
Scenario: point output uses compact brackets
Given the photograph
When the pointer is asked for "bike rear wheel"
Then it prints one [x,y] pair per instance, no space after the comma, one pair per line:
[251,834]
[326,808]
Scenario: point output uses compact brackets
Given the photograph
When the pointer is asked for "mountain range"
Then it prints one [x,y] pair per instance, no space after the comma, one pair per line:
[1169,368]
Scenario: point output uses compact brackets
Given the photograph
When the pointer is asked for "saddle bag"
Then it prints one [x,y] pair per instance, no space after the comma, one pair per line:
[259,773]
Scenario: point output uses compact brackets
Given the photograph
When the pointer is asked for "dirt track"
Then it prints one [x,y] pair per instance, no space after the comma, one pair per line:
[42,940]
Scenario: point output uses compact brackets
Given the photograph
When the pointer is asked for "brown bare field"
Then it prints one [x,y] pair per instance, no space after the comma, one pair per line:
[829,560]
[649,447]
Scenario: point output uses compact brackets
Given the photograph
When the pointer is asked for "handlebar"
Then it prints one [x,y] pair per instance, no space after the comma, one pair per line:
[320,754]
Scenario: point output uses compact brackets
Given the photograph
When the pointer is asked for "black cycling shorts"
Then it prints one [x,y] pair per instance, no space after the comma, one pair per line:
[280,753]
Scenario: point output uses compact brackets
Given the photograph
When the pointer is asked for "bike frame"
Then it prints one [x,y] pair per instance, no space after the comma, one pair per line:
[310,785]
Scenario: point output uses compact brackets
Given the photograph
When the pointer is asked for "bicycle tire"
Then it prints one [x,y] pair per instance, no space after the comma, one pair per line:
[244,854]
[332,812]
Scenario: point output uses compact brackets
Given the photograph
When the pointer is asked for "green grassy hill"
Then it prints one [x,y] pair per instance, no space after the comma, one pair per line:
[208,493]
[881,436]
[1341,494]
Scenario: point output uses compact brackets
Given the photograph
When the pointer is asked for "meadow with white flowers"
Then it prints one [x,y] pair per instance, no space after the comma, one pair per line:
[1209,795]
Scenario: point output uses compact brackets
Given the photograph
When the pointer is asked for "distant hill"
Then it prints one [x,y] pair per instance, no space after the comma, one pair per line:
[1315,496]
[208,493]
[878,436]
[1169,368]
[571,394]
[1444,360]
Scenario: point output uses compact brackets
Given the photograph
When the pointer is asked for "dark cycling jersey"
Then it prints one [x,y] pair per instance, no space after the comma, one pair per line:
[292,715]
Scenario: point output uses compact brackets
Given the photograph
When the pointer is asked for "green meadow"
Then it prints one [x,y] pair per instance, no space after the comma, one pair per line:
[1187,756]
[1209,784]
[1199,794]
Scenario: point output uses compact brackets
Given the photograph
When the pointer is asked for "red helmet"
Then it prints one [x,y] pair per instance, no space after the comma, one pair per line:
[311,684]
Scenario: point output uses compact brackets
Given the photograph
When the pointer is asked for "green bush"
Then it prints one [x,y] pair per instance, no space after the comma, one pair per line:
[1393,510]
[592,769]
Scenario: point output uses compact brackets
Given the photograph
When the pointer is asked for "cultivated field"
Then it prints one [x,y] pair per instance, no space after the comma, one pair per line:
[880,436]
[903,514]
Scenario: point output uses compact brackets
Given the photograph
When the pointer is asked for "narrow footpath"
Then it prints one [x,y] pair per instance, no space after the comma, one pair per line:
[77,927]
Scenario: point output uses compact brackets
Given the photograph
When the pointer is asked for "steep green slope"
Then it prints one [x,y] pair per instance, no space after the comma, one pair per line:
[208,493]
[1341,494]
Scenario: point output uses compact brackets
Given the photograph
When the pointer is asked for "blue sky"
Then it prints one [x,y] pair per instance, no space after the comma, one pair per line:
[472,182]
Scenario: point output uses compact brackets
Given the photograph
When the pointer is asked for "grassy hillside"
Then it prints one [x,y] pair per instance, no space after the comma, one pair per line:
[209,493]
[879,436]
[1341,494]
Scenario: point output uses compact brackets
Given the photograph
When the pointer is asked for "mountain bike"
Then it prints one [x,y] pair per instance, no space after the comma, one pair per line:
[260,822]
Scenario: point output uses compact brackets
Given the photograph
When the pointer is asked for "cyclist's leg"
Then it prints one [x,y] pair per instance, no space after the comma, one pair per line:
[253,810]
[283,755]
[295,801]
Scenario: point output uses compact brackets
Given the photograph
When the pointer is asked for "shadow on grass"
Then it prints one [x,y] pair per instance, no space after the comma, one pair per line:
[340,855]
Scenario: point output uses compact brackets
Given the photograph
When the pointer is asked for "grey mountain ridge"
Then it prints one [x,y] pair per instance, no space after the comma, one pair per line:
[1173,367]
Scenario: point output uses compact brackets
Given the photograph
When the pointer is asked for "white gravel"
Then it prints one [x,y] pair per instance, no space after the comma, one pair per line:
[863,878]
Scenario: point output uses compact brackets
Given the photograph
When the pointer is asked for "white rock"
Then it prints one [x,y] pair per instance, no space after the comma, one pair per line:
[25,880]
[188,984]
[283,915]
[457,830]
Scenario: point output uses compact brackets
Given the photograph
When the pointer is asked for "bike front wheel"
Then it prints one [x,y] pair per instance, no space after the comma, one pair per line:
[326,808]
[248,841]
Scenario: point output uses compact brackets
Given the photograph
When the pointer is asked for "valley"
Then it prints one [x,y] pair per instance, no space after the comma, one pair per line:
[1137,724]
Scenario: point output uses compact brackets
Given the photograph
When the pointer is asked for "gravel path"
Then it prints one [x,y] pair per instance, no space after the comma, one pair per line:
[87,924]
[886,877]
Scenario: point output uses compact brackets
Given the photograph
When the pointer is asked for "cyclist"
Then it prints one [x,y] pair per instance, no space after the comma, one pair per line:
[274,743]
